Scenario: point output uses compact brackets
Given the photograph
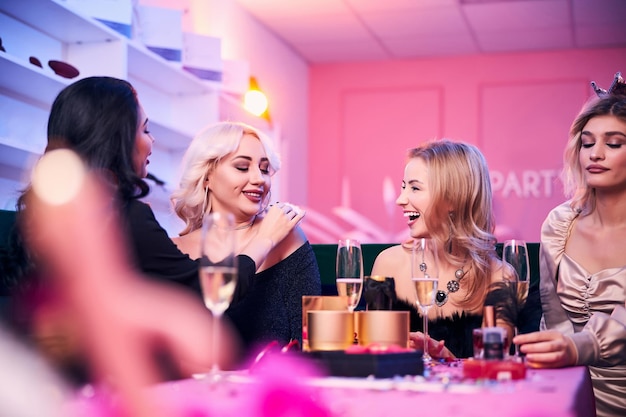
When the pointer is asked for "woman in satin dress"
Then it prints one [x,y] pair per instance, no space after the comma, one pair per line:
[583,256]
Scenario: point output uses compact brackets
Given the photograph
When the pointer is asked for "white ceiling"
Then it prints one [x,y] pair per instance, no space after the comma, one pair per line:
[355,30]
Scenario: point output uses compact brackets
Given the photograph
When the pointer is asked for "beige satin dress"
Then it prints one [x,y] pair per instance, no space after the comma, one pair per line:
[589,308]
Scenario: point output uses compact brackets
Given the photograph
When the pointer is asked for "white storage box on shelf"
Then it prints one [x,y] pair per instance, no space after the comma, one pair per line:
[116,14]
[202,57]
[161,31]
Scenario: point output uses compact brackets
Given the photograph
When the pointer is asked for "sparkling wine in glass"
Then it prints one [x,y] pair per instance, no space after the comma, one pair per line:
[218,270]
[425,276]
[515,254]
[350,271]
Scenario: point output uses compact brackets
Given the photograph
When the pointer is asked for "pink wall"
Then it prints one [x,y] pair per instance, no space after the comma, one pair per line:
[517,108]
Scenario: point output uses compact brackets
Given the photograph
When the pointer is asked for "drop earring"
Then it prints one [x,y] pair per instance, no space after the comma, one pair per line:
[205,202]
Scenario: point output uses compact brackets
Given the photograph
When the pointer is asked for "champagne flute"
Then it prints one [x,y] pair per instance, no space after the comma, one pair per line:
[425,276]
[515,254]
[350,271]
[218,271]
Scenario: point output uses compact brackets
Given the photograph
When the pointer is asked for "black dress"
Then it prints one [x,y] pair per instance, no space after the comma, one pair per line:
[266,306]
[154,253]
[272,307]
[455,331]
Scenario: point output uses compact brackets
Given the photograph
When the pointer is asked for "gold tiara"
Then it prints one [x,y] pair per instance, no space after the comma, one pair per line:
[618,87]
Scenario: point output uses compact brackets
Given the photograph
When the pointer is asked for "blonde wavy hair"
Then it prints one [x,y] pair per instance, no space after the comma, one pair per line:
[205,151]
[583,197]
[461,216]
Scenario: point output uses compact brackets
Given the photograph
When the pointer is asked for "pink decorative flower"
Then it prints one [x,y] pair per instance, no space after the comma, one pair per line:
[283,390]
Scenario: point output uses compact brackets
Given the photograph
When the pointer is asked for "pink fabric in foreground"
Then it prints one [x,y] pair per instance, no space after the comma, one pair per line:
[286,388]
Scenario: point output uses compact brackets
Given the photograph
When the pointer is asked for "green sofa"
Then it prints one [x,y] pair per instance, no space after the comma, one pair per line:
[326,255]
[7,220]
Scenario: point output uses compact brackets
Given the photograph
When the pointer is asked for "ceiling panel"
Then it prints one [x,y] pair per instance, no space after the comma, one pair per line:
[343,51]
[397,24]
[599,11]
[269,10]
[432,46]
[602,35]
[336,27]
[538,39]
[365,6]
[341,30]
[493,17]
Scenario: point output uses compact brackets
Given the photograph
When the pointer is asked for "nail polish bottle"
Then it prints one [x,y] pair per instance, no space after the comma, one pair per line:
[493,343]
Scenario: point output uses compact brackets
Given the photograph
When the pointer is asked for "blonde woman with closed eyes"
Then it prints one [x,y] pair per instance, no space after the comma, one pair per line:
[228,167]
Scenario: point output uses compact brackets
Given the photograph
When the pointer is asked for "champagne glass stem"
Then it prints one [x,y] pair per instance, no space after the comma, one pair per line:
[215,369]
[517,352]
[426,356]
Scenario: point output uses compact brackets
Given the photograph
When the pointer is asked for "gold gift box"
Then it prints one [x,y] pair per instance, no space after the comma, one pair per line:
[319,302]
[330,330]
[383,328]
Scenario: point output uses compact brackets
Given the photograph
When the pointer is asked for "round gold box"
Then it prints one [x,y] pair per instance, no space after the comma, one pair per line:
[330,330]
[383,328]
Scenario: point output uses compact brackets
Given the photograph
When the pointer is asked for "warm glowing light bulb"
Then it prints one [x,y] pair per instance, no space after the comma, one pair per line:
[255,102]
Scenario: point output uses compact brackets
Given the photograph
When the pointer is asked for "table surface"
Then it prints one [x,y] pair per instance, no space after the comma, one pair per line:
[563,392]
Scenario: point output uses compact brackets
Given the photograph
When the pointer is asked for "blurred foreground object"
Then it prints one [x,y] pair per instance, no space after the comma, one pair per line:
[28,388]
[278,385]
[124,321]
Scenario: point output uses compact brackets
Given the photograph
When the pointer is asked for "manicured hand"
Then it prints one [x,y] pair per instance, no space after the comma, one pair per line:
[436,348]
[547,349]
[280,219]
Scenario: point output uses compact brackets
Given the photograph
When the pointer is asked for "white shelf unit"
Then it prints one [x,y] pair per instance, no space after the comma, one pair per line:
[177,103]
[30,83]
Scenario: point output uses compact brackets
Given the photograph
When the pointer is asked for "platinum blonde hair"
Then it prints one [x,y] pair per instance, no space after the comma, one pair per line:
[205,151]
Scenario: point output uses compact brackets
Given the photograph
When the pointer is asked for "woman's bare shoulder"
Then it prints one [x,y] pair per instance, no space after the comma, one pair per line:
[188,244]
[393,255]
[291,243]
[393,251]
[499,273]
